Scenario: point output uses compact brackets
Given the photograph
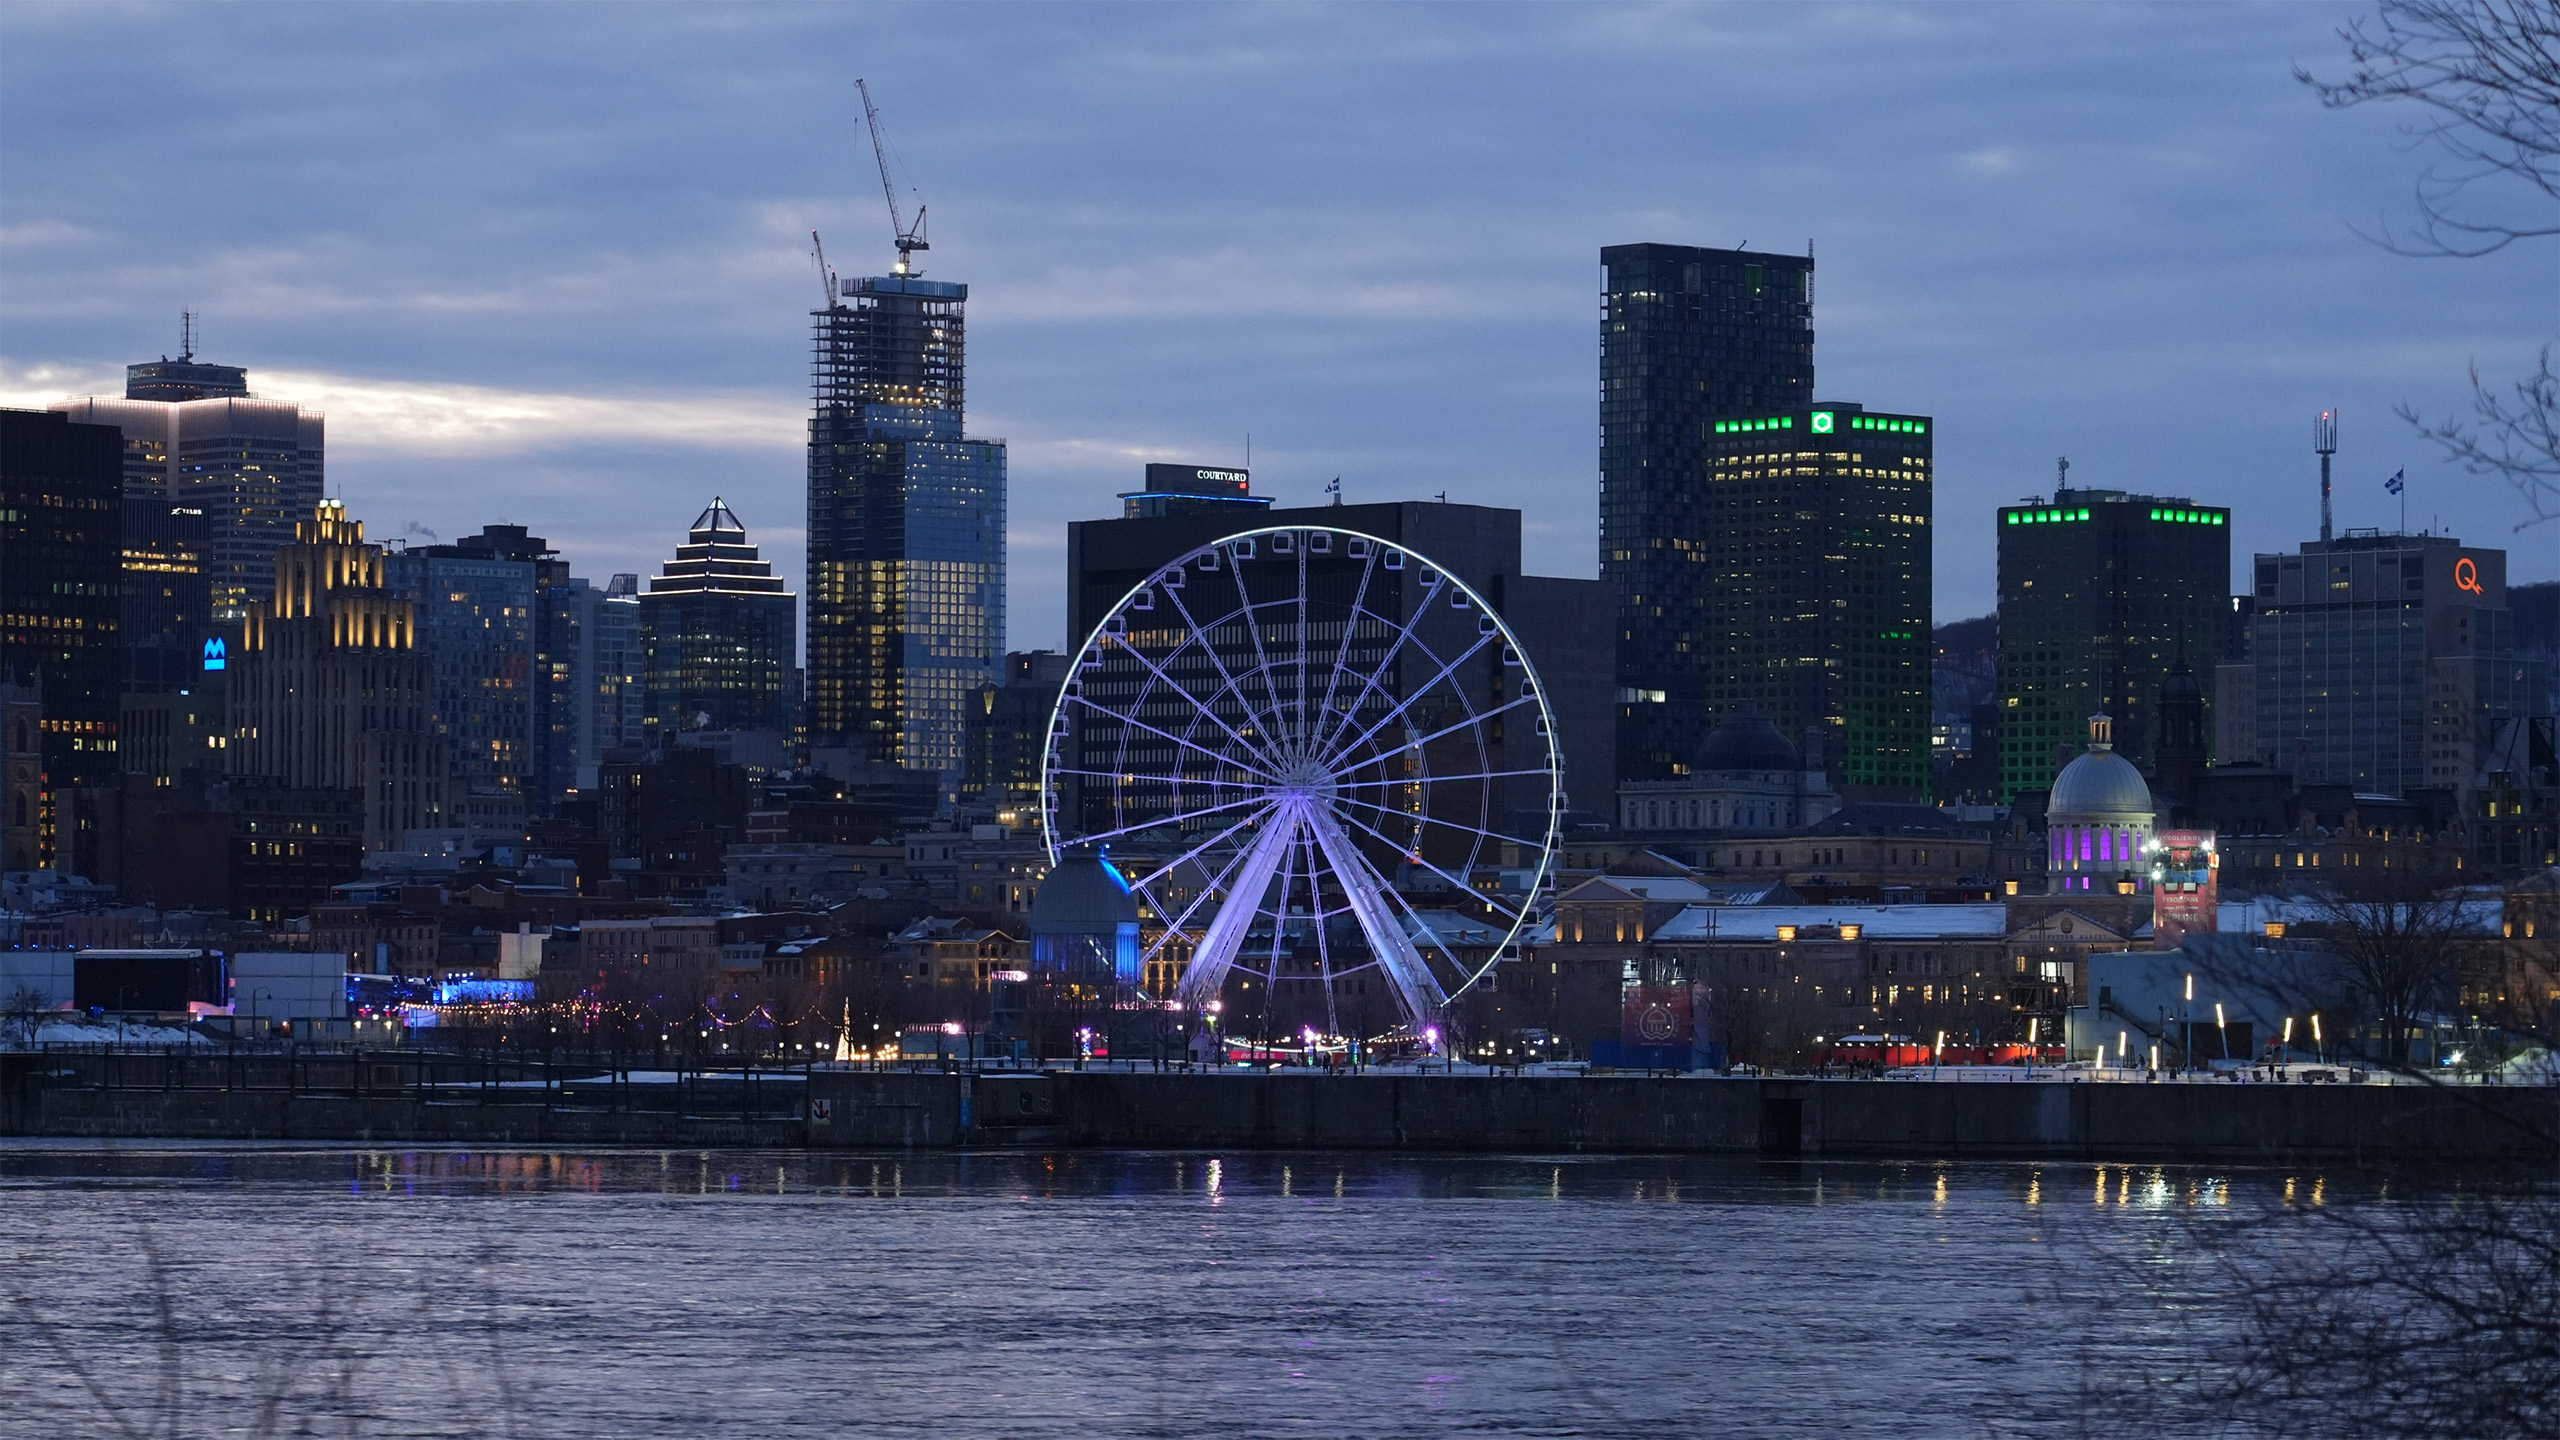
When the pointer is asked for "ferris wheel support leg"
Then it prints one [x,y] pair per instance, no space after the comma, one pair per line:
[1206,976]
[1414,982]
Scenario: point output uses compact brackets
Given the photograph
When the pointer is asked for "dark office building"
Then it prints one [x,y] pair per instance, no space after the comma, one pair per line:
[1195,490]
[906,528]
[2386,662]
[2102,594]
[717,630]
[1562,624]
[167,598]
[61,588]
[497,616]
[1688,337]
[1811,591]
[1009,729]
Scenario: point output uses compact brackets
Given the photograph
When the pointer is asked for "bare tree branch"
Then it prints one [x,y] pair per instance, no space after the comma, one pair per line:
[2518,440]
[2488,73]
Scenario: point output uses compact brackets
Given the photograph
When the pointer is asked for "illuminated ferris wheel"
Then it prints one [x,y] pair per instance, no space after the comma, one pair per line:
[1325,765]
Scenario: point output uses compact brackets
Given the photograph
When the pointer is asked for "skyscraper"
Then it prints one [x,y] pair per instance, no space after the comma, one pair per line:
[610,675]
[717,628]
[330,691]
[2102,594]
[61,605]
[906,527]
[1688,337]
[2385,661]
[195,439]
[1811,597]
[477,600]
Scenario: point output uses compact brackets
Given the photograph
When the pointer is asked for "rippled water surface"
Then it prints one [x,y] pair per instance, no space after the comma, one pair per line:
[542,1293]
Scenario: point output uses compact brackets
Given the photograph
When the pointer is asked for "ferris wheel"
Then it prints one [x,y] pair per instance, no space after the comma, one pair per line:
[1325,765]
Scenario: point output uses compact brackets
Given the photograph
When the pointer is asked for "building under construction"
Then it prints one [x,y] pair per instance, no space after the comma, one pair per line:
[906,526]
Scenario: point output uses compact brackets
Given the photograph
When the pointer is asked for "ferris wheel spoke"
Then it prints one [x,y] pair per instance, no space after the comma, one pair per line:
[1419,818]
[1281,730]
[1258,816]
[1135,723]
[1362,886]
[1324,946]
[1377,672]
[1216,884]
[1206,975]
[1430,778]
[1342,652]
[1463,887]
[1158,824]
[1448,953]
[1204,706]
[1474,718]
[1207,636]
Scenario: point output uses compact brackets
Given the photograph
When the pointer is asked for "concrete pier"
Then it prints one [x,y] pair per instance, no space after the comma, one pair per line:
[401,1101]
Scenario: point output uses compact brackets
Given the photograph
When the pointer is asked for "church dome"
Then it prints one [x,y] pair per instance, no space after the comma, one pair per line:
[2100,782]
[1747,740]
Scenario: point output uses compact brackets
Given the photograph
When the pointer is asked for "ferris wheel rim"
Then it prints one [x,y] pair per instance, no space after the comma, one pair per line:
[1254,768]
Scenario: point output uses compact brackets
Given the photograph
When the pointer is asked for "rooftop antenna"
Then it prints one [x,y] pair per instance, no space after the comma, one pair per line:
[826,277]
[187,336]
[2324,439]
[910,237]
[2061,475]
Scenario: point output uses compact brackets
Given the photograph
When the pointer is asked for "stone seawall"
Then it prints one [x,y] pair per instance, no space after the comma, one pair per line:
[834,1109]
[1806,1117]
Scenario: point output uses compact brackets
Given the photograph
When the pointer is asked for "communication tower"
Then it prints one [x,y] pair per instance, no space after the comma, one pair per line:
[2324,440]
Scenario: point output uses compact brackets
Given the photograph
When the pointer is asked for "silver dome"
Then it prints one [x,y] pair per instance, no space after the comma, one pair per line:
[2099,783]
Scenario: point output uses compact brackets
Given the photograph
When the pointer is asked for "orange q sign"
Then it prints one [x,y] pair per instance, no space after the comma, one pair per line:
[2466,576]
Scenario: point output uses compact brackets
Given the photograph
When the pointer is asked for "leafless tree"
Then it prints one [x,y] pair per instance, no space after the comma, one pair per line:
[2395,938]
[2375,1311]
[2486,76]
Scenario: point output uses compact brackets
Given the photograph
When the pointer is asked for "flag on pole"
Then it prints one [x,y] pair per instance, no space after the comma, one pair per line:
[2396,483]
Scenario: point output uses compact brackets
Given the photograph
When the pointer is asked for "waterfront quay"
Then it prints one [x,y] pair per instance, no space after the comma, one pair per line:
[411,1097]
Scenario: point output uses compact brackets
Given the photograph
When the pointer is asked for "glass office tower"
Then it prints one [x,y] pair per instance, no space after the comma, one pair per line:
[906,528]
[2384,661]
[717,628]
[1688,337]
[2102,593]
[1810,597]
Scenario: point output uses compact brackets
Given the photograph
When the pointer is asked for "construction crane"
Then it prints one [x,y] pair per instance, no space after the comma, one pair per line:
[826,277]
[910,238]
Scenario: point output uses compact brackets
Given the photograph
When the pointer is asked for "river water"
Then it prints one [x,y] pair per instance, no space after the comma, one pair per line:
[437,1292]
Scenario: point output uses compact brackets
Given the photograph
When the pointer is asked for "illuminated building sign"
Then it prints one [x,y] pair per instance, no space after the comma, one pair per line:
[2466,576]
[2177,516]
[216,657]
[2043,517]
[1824,423]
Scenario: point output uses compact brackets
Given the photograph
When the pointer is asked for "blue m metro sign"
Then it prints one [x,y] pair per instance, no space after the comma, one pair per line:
[215,656]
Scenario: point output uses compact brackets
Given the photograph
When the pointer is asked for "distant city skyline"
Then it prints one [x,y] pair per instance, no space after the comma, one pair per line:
[2107,233]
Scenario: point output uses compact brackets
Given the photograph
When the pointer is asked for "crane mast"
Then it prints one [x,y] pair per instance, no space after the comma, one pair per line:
[910,237]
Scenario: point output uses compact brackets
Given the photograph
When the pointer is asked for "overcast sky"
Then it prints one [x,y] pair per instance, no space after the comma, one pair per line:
[550,265]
